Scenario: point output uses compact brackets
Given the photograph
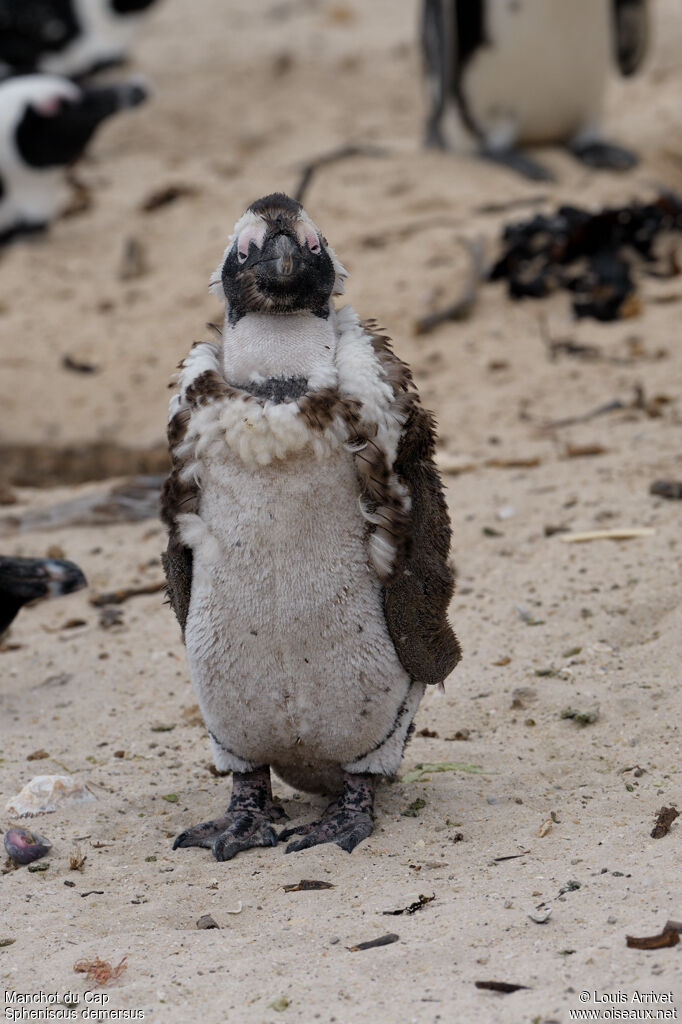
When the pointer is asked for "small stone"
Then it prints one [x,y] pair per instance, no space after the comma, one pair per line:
[205,922]
[279,1004]
[611,919]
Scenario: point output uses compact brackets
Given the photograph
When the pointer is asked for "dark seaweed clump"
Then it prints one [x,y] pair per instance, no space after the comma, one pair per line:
[596,256]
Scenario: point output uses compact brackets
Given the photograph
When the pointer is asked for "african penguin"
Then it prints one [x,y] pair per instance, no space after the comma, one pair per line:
[26,579]
[308,546]
[45,124]
[67,37]
[502,73]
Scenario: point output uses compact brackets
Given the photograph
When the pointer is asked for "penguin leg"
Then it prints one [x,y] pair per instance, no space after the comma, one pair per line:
[603,155]
[247,822]
[517,161]
[347,821]
[434,138]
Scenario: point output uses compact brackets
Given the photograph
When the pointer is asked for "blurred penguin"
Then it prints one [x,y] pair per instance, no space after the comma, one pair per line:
[45,124]
[27,579]
[502,73]
[67,37]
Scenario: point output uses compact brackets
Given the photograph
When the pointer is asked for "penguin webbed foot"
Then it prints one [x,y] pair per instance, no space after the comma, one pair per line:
[347,820]
[517,161]
[604,156]
[247,822]
[229,835]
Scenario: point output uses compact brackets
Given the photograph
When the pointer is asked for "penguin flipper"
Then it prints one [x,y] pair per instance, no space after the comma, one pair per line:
[419,589]
[177,565]
[178,496]
[417,596]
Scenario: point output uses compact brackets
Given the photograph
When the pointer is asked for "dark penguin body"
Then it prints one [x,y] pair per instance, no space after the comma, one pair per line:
[26,579]
[45,124]
[308,539]
[505,73]
[67,37]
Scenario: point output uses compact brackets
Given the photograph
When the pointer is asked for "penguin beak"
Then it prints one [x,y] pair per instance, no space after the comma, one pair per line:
[98,104]
[287,257]
[281,259]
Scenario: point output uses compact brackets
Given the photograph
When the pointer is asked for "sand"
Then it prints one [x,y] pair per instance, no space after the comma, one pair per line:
[244,95]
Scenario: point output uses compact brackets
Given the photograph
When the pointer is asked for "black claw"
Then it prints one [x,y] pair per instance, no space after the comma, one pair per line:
[200,835]
[225,846]
[297,830]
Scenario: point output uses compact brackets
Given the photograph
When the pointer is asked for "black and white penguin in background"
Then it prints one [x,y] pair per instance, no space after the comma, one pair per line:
[23,580]
[67,37]
[504,73]
[308,552]
[45,124]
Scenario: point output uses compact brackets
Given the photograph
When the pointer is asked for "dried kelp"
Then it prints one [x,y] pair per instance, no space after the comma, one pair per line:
[595,256]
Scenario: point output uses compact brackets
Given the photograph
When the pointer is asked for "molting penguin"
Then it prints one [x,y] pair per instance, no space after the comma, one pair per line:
[308,545]
[45,124]
[27,579]
[502,73]
[67,37]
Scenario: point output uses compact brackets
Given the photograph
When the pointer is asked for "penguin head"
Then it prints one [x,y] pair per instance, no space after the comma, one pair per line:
[45,123]
[278,262]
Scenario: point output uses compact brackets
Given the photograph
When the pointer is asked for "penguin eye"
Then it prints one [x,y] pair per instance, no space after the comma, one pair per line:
[307,236]
[247,236]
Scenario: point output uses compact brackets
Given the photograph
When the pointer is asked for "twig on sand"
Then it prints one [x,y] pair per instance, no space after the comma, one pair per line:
[617,534]
[119,596]
[601,410]
[333,156]
[463,304]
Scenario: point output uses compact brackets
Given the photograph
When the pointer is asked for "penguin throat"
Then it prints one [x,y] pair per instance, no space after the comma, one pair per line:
[280,357]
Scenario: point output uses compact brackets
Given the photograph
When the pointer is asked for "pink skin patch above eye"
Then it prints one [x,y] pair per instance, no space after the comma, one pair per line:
[308,236]
[48,107]
[255,234]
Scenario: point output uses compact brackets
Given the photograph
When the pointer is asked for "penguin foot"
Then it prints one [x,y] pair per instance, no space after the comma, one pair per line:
[604,156]
[247,822]
[517,161]
[347,821]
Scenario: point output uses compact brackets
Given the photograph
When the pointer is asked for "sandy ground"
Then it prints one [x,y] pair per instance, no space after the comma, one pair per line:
[244,95]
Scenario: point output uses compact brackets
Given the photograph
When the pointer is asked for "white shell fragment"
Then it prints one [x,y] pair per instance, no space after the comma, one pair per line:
[541,916]
[48,793]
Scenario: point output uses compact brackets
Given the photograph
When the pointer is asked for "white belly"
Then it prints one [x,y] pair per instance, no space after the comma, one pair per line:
[286,636]
[542,78]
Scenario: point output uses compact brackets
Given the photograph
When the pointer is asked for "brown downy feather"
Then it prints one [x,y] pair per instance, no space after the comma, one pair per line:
[417,595]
